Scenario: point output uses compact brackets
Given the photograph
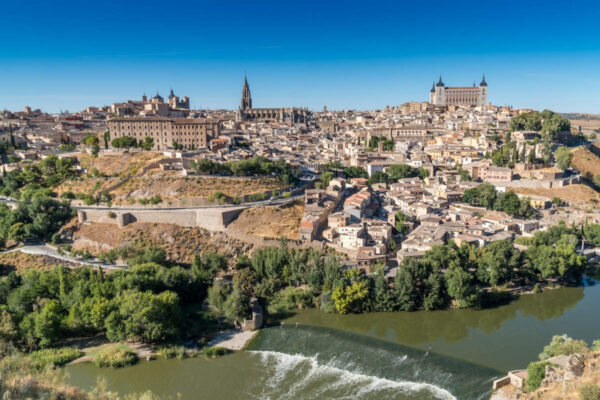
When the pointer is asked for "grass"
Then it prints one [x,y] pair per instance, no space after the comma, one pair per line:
[214,352]
[116,357]
[172,351]
[57,357]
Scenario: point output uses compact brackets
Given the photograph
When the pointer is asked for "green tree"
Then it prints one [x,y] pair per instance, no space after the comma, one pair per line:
[147,144]
[378,177]
[563,157]
[106,137]
[47,323]
[91,140]
[400,171]
[498,262]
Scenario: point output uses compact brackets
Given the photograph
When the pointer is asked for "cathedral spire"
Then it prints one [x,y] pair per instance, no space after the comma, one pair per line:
[440,83]
[433,87]
[483,82]
[246,102]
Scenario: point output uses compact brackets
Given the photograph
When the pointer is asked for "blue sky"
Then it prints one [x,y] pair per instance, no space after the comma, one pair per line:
[344,54]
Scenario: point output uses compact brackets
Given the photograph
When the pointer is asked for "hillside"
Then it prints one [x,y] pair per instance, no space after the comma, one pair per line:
[573,194]
[586,162]
[181,244]
[271,222]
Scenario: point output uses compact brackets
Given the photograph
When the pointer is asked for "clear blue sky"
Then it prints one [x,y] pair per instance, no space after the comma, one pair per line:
[347,54]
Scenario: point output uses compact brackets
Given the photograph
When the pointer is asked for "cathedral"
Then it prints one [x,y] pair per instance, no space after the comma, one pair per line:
[442,95]
[246,113]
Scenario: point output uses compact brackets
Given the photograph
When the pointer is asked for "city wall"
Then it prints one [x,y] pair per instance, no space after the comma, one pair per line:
[210,219]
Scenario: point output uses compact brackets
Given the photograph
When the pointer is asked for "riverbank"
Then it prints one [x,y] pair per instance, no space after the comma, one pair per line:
[233,339]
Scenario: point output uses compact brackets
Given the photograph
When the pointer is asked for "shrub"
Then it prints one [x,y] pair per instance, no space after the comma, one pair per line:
[287,194]
[596,345]
[167,351]
[589,392]
[237,200]
[156,199]
[536,372]
[214,352]
[57,357]
[111,214]
[275,193]
[257,197]
[563,345]
[143,201]
[115,357]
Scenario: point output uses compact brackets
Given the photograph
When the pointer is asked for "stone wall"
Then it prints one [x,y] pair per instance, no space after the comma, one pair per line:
[211,218]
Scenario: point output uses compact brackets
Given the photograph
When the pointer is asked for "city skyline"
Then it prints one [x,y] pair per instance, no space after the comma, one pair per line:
[351,57]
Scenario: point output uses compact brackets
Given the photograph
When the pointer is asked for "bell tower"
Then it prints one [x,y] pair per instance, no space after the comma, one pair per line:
[246,102]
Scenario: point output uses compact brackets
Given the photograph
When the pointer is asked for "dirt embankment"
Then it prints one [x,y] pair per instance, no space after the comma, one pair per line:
[586,162]
[126,164]
[170,187]
[181,244]
[20,262]
[270,222]
[573,194]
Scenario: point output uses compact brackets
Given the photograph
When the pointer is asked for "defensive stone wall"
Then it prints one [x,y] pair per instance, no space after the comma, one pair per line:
[211,219]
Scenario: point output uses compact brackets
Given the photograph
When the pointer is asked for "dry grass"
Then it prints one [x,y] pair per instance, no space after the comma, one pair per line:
[585,161]
[121,164]
[272,222]
[181,244]
[21,262]
[571,194]
[171,188]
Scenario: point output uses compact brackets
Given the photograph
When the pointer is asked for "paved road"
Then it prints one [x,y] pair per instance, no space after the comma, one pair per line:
[45,250]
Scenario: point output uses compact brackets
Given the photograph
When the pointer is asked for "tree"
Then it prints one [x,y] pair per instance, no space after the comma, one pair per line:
[460,286]
[145,316]
[400,171]
[498,262]
[378,177]
[563,157]
[406,285]
[400,224]
[383,297]
[350,296]
[147,144]
[91,140]
[124,142]
[106,139]
[95,150]
[47,323]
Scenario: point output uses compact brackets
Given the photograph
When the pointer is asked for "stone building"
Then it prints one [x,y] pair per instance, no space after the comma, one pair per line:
[247,113]
[442,95]
[187,132]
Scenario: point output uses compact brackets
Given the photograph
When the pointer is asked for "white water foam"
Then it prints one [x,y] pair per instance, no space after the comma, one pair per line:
[301,371]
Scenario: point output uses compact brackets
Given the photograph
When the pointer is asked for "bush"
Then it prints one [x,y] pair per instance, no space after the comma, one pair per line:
[111,214]
[287,194]
[257,197]
[218,197]
[214,352]
[116,357]
[563,345]
[177,352]
[536,372]
[596,345]
[57,357]
[156,199]
[589,392]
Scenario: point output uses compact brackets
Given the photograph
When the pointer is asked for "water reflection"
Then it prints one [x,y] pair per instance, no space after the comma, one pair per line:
[415,328]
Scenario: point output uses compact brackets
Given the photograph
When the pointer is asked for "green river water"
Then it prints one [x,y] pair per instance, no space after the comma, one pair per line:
[315,355]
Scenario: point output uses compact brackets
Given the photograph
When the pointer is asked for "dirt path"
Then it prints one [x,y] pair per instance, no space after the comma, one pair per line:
[233,339]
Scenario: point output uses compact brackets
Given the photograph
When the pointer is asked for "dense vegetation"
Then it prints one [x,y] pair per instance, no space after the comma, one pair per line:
[145,303]
[255,166]
[485,195]
[397,171]
[127,142]
[284,278]
[386,144]
[546,122]
[38,215]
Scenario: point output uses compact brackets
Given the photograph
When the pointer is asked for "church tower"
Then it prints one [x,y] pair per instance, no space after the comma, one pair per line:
[246,98]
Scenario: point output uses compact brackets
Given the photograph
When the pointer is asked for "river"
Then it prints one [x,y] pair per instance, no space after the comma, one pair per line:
[373,356]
